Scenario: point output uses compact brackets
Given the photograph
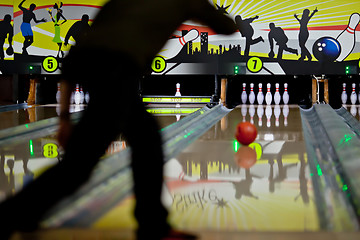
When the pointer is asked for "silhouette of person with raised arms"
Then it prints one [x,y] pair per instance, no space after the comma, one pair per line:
[110,59]
[56,20]
[247,31]
[304,33]
[6,31]
[277,34]
[28,15]
[78,28]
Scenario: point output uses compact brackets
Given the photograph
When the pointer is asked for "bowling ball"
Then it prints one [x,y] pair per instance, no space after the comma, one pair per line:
[326,49]
[245,157]
[10,51]
[246,133]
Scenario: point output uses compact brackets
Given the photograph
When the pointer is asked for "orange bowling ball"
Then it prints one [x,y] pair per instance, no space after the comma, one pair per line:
[245,157]
[246,133]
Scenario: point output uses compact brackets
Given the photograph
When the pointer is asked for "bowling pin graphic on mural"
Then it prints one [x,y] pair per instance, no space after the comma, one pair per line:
[243,94]
[347,38]
[173,46]
[343,94]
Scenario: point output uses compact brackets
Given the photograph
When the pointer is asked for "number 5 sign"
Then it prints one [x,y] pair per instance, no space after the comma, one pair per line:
[50,64]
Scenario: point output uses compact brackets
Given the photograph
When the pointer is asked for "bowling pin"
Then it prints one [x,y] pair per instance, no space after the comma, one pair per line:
[277,96]
[353,96]
[82,95]
[285,94]
[347,38]
[58,93]
[252,94]
[260,113]
[243,94]
[72,97]
[268,114]
[277,112]
[77,95]
[173,46]
[252,113]
[177,94]
[243,112]
[343,94]
[359,93]
[260,95]
[286,114]
[268,96]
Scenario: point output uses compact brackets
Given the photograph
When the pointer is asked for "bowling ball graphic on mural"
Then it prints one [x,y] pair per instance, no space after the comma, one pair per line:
[326,49]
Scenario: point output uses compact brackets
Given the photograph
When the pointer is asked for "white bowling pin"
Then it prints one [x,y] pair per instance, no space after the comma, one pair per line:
[252,94]
[277,96]
[260,113]
[243,94]
[268,96]
[347,38]
[285,94]
[286,114]
[252,113]
[58,93]
[82,95]
[359,93]
[260,95]
[353,96]
[173,46]
[268,114]
[343,94]
[177,94]
[277,112]
[77,94]
[243,112]
[72,97]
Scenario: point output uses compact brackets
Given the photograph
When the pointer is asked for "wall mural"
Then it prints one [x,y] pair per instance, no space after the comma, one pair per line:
[274,37]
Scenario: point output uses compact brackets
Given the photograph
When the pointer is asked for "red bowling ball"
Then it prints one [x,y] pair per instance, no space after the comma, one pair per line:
[246,133]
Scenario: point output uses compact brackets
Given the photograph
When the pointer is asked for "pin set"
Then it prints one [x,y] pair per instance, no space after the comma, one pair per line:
[269,97]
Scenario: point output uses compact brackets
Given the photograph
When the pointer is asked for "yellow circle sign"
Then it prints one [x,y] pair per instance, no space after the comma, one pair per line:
[50,150]
[50,64]
[159,64]
[254,64]
[258,149]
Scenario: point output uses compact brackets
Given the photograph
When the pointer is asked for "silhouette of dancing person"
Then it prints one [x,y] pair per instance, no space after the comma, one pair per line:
[115,53]
[78,28]
[6,31]
[304,33]
[247,31]
[57,24]
[277,34]
[28,15]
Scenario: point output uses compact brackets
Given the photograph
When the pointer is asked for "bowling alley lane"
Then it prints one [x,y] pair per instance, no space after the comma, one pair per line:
[206,189]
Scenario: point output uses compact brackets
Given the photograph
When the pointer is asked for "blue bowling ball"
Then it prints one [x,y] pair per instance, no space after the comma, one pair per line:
[326,49]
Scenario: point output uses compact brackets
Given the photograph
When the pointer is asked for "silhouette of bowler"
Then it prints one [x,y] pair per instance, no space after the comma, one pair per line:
[6,31]
[28,15]
[304,33]
[247,32]
[78,28]
[117,50]
[278,34]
